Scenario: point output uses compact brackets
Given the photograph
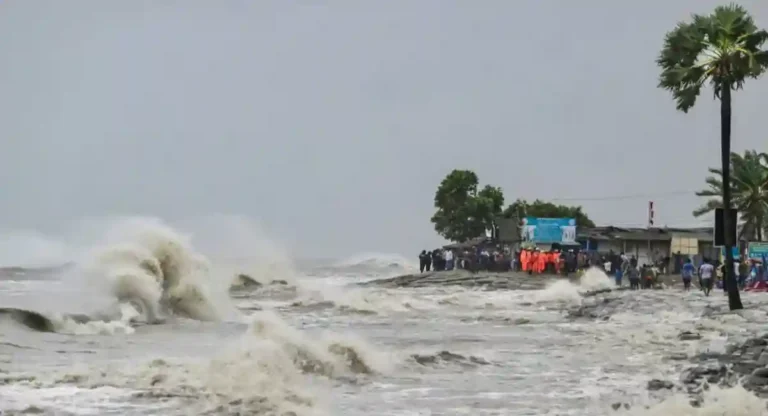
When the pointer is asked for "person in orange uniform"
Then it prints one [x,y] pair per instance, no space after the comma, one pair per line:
[556,261]
[524,260]
[541,262]
[533,260]
[553,261]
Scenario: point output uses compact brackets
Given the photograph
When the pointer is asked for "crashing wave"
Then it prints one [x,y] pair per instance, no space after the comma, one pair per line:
[154,266]
[144,272]
[265,372]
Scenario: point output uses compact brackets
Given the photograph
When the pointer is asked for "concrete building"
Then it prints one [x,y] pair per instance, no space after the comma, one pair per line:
[649,244]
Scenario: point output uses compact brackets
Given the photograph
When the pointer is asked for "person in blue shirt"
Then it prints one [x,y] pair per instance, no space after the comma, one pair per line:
[688,271]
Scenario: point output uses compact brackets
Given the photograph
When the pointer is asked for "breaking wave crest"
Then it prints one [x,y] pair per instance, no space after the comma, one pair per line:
[120,320]
[267,371]
[149,264]
[564,291]
[330,355]
[140,271]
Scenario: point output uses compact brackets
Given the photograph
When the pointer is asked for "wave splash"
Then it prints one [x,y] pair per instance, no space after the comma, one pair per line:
[273,369]
[564,291]
[150,266]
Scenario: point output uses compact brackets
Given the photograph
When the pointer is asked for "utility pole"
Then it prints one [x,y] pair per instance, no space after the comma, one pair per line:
[651,215]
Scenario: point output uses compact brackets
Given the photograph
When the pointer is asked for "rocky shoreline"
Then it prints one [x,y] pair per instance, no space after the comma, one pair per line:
[488,280]
[483,279]
[743,364]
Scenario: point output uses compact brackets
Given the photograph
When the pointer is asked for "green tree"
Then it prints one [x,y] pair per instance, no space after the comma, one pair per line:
[724,50]
[542,209]
[749,192]
[463,211]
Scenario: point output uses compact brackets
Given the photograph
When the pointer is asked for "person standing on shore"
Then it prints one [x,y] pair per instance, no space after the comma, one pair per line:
[570,262]
[423,261]
[624,264]
[524,258]
[438,261]
[687,272]
[541,262]
[633,274]
[448,259]
[533,261]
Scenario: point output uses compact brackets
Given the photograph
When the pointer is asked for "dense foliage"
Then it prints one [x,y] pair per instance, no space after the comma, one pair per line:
[463,211]
[542,209]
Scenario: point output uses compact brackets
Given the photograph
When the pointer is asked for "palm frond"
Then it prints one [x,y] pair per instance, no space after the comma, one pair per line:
[732,20]
[715,171]
[714,183]
[749,190]
[722,49]
[708,207]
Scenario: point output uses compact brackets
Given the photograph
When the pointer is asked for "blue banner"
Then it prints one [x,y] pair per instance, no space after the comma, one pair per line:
[734,250]
[549,230]
[758,250]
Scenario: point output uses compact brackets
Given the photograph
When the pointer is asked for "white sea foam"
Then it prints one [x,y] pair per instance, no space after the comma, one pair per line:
[716,402]
[562,290]
[273,369]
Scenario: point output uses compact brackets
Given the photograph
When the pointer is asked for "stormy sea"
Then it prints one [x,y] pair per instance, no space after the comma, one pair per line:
[149,319]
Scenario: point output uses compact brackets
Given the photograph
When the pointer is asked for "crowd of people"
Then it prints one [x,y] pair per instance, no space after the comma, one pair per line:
[751,273]
[473,259]
[620,265]
[500,258]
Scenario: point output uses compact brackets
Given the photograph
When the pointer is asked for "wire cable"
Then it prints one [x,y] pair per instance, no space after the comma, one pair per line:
[624,197]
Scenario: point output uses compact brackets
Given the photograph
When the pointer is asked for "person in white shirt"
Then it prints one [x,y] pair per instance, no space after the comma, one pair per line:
[448,259]
[706,274]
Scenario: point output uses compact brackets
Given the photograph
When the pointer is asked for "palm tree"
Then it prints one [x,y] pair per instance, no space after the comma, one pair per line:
[749,192]
[724,50]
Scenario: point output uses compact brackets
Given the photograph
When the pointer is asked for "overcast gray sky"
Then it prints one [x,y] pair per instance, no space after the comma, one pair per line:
[333,121]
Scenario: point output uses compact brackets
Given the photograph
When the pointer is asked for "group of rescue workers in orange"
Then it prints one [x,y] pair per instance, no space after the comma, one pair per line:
[537,261]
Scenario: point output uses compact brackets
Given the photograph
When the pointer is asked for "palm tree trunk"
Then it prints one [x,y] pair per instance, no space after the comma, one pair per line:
[734,300]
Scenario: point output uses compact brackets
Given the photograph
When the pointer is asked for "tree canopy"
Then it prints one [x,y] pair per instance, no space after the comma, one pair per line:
[542,209]
[722,49]
[463,211]
[749,190]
